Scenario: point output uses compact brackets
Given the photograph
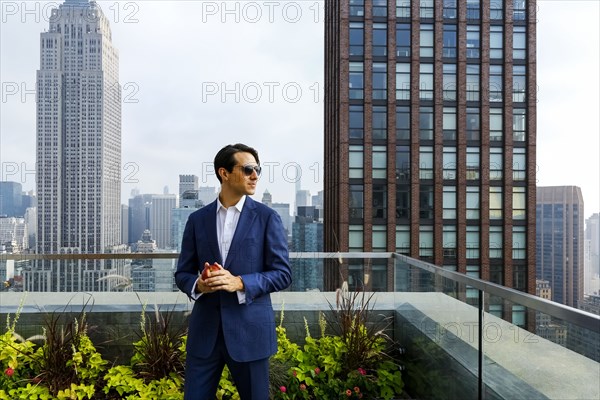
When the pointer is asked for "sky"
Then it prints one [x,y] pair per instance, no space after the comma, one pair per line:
[196,75]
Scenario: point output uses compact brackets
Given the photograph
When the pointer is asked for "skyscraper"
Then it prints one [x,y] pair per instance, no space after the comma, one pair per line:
[78,137]
[559,231]
[430,134]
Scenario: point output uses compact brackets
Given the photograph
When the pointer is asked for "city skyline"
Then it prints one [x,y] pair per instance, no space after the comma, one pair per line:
[180,103]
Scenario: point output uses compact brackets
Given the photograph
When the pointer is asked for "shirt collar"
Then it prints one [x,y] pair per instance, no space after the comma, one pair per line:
[239,205]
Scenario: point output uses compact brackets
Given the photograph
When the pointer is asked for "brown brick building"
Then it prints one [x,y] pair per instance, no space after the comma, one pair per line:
[430,132]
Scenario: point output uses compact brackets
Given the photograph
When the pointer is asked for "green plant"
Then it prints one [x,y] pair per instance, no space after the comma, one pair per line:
[66,366]
[353,363]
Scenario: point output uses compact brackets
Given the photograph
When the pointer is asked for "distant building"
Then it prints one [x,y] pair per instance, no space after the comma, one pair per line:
[139,216]
[160,219]
[267,199]
[544,326]
[152,275]
[592,259]
[559,242]
[188,203]
[302,199]
[124,223]
[283,209]
[207,194]
[187,182]
[307,236]
[11,199]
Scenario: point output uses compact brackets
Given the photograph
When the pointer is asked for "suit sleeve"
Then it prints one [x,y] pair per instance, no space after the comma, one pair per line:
[188,264]
[276,274]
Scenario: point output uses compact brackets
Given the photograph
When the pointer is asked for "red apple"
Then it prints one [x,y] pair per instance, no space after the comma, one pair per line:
[211,268]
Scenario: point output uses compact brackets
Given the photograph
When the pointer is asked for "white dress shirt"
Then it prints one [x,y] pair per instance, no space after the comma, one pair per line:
[227,221]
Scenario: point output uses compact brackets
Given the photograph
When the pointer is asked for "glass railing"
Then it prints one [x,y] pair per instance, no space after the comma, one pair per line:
[461,337]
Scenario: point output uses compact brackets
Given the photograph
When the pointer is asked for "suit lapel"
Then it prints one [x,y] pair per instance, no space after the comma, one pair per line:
[244,224]
[210,222]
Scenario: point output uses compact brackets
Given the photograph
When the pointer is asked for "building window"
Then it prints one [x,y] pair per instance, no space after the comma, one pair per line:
[403,239]
[403,202]
[402,81]
[426,8]
[472,202]
[355,161]
[449,10]
[472,82]
[449,163]
[519,164]
[449,202]
[472,241]
[379,236]
[379,8]
[473,10]
[379,267]
[496,10]
[426,202]
[449,241]
[449,82]
[379,40]
[519,124]
[379,121]
[519,236]
[426,82]
[473,41]
[357,8]
[449,41]
[379,81]
[402,123]
[473,165]
[496,163]
[426,123]
[426,40]
[355,238]
[496,42]
[356,80]
[519,203]
[357,39]
[402,40]
[519,10]
[496,123]
[402,164]
[519,43]
[449,123]
[519,283]
[473,126]
[356,121]
[379,201]
[426,162]
[495,202]
[379,162]
[519,83]
[496,83]
[403,8]
[425,241]
[496,240]
[356,202]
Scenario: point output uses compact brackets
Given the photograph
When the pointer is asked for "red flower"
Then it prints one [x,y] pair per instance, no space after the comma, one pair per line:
[9,371]
[348,392]
[362,371]
[302,386]
[356,389]
[294,373]
[317,370]
[283,389]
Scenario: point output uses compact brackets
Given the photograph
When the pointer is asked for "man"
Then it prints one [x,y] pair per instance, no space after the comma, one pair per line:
[232,321]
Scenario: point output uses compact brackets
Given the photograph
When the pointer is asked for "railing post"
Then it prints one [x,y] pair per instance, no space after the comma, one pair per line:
[480,385]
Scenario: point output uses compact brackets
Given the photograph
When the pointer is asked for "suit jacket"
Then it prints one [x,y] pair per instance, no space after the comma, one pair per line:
[259,254]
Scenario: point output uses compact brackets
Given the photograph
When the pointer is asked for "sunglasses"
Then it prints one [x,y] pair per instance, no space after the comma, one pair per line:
[249,169]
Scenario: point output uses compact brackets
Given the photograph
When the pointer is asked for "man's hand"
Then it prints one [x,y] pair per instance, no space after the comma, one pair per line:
[220,280]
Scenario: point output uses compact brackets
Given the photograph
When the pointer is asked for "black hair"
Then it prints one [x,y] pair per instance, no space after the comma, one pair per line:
[225,157]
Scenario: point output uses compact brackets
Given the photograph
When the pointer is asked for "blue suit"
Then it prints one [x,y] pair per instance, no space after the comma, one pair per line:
[259,254]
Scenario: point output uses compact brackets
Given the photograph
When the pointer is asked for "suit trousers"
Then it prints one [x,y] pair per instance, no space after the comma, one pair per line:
[202,375]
